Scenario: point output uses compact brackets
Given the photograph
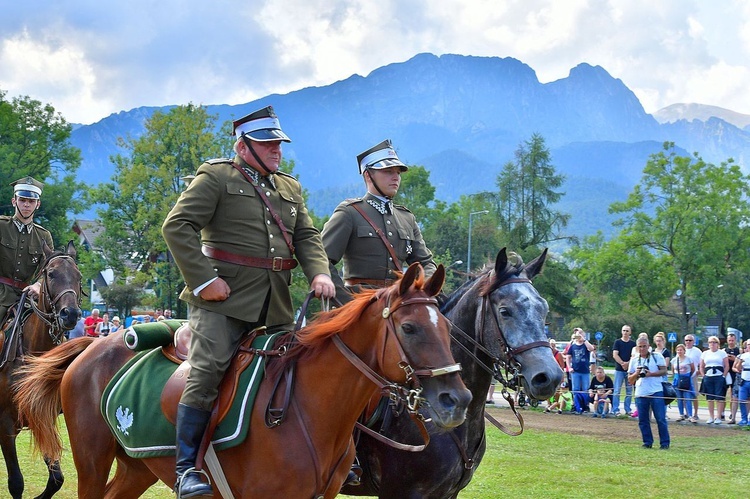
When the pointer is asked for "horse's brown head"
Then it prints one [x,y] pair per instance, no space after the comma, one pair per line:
[59,301]
[416,349]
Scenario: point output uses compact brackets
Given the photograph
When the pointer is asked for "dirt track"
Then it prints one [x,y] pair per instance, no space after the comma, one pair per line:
[611,429]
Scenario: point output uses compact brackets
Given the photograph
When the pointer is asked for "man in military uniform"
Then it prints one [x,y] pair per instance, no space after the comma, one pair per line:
[21,252]
[374,236]
[234,233]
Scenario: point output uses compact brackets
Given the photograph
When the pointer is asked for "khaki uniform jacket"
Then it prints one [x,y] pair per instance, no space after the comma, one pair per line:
[349,236]
[20,257]
[221,209]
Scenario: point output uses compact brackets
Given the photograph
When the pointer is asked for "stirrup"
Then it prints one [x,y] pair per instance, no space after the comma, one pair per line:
[354,478]
[187,472]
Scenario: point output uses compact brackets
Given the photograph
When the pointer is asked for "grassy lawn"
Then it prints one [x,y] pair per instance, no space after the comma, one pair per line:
[555,464]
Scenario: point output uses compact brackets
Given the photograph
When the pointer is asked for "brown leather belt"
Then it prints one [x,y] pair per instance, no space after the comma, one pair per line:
[379,283]
[276,264]
[13,283]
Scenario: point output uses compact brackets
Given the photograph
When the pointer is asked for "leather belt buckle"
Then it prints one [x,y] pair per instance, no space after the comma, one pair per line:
[278,264]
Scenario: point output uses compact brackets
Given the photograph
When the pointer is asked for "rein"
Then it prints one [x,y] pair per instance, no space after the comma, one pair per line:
[52,318]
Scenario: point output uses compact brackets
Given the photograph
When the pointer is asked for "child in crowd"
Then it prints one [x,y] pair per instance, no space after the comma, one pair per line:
[562,400]
[601,402]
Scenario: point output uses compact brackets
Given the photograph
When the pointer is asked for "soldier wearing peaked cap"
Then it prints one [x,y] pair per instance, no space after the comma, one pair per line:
[236,232]
[374,236]
[21,251]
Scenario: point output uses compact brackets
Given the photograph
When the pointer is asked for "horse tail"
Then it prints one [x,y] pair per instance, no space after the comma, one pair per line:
[37,394]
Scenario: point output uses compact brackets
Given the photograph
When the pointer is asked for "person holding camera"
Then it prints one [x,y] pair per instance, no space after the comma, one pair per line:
[645,371]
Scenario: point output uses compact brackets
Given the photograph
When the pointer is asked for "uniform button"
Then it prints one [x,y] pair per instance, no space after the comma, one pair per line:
[388,222]
[370,233]
[268,193]
[266,208]
[270,235]
[273,250]
[268,222]
[215,269]
[390,259]
[390,233]
[262,184]
[242,191]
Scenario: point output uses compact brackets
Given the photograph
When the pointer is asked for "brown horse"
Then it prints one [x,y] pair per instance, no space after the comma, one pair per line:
[392,332]
[56,310]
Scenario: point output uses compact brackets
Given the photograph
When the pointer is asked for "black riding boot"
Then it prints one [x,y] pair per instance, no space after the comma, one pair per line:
[191,425]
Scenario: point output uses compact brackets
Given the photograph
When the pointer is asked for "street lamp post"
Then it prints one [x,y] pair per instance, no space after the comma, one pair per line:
[468,256]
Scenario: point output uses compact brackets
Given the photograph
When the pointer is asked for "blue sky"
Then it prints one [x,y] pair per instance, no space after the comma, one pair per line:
[91,58]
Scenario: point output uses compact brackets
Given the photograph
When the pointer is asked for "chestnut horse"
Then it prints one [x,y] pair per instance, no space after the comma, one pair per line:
[56,310]
[498,325]
[395,333]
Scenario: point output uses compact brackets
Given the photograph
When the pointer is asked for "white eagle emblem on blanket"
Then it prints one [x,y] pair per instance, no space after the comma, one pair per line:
[124,418]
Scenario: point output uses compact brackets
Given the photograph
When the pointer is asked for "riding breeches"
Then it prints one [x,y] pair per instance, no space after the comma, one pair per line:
[214,340]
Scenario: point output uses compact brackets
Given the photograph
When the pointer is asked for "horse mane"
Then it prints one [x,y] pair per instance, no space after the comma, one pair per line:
[459,292]
[513,268]
[308,340]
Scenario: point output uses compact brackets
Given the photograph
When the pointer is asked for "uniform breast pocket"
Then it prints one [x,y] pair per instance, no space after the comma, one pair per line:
[239,196]
[368,242]
[290,208]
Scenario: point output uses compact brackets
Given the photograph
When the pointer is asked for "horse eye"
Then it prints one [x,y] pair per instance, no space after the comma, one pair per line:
[408,328]
[504,312]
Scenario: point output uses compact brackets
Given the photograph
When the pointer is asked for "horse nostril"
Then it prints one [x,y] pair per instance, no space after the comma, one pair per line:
[448,401]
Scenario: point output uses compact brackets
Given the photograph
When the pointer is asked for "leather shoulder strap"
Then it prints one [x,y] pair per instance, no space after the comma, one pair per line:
[274,215]
[388,245]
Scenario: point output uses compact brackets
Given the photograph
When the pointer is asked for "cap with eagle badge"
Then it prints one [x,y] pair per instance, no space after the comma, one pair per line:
[27,187]
[379,157]
[261,126]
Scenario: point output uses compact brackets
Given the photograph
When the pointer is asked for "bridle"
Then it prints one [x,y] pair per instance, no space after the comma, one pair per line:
[506,369]
[47,302]
[407,396]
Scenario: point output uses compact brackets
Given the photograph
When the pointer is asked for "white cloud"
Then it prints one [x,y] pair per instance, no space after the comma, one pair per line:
[90,59]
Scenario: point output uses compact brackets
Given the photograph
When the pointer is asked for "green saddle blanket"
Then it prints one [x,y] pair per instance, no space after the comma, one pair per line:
[131,404]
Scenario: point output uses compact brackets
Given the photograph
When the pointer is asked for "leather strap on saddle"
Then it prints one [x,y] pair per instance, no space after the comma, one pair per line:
[11,346]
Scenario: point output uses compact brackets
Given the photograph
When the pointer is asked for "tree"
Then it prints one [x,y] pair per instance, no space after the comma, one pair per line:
[684,231]
[526,193]
[34,140]
[123,297]
[145,186]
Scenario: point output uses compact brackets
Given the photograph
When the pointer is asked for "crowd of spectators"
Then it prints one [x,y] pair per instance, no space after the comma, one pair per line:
[720,375]
[98,324]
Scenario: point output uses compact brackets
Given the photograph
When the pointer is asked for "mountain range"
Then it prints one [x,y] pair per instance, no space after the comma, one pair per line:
[462,117]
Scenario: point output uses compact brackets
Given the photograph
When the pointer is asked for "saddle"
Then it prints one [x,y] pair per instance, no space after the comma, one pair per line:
[177,352]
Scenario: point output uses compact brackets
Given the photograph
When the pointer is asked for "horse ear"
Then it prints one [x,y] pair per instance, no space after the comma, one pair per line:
[71,250]
[501,262]
[46,249]
[408,280]
[535,266]
[435,282]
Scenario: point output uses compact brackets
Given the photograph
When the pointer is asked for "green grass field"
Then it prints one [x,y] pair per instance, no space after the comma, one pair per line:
[555,464]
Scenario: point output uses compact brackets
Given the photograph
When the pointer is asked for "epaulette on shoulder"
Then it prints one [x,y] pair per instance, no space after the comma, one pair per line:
[402,208]
[217,161]
[41,228]
[351,201]
[5,217]
[284,174]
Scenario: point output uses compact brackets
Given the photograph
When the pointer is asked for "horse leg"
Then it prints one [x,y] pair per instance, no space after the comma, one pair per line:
[8,444]
[132,478]
[54,480]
